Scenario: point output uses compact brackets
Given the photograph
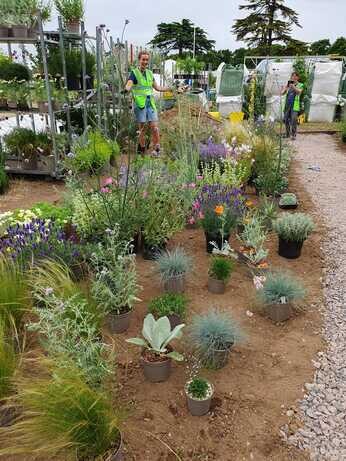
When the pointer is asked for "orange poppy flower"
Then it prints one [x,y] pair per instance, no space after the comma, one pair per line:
[219,209]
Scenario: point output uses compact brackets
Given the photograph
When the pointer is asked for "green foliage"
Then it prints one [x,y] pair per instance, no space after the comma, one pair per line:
[8,363]
[213,331]
[320,47]
[180,36]
[157,335]
[61,416]
[221,268]
[14,297]
[70,10]
[93,155]
[266,212]
[4,181]
[293,227]
[27,143]
[266,23]
[339,47]
[198,388]
[189,65]
[288,199]
[73,58]
[114,287]
[343,130]
[215,224]
[14,71]
[168,304]
[15,12]
[173,263]
[280,286]
[60,214]
[300,66]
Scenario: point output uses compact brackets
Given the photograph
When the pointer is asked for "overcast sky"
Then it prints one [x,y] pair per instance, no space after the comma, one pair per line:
[319,18]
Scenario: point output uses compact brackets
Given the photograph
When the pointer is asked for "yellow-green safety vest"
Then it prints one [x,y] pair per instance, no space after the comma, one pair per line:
[143,88]
[296,104]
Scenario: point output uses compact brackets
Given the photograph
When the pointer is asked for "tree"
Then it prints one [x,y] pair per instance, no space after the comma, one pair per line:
[339,47]
[269,21]
[320,48]
[180,36]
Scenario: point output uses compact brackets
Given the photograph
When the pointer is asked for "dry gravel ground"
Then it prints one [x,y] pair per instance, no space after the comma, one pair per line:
[323,408]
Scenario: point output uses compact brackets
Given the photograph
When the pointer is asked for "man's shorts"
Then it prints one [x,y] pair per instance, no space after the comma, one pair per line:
[148,114]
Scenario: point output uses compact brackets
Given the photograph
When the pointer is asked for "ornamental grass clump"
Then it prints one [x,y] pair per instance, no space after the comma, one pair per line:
[212,335]
[8,362]
[280,288]
[60,415]
[293,227]
[173,263]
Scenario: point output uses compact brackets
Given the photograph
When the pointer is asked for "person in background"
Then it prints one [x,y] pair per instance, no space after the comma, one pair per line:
[293,91]
[141,82]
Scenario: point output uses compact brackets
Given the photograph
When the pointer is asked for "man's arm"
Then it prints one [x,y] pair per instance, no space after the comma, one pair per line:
[160,88]
[296,89]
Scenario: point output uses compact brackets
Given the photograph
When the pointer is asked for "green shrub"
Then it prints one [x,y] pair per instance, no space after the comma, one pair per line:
[70,10]
[288,199]
[4,181]
[266,211]
[293,227]
[343,130]
[60,214]
[221,268]
[168,304]
[213,331]
[173,263]
[60,416]
[279,286]
[93,155]
[198,388]
[14,71]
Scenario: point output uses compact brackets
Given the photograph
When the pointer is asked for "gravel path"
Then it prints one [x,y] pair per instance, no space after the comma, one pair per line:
[324,405]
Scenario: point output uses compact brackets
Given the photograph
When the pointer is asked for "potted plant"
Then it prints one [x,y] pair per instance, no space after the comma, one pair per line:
[39,95]
[293,230]
[72,12]
[199,393]
[60,404]
[212,336]
[220,271]
[277,293]
[115,283]
[21,142]
[171,305]
[288,201]
[172,266]
[218,222]
[157,354]
[252,238]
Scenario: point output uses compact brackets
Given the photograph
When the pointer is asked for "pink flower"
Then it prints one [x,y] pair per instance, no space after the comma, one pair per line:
[199,178]
[192,220]
[145,194]
[192,185]
[104,190]
[108,181]
[196,205]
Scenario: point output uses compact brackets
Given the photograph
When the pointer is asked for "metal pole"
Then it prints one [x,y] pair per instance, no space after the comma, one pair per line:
[85,100]
[98,70]
[194,42]
[50,106]
[64,73]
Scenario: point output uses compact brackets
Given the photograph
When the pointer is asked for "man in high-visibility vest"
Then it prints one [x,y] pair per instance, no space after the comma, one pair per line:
[293,91]
[141,82]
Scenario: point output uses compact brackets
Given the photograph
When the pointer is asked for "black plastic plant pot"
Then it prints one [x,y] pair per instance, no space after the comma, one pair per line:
[279,312]
[199,407]
[290,249]
[288,207]
[174,320]
[217,239]
[150,252]
[156,372]
[118,454]
[219,358]
[118,323]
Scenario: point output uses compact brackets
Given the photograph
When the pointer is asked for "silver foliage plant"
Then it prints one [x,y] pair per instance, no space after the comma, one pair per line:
[294,227]
[173,263]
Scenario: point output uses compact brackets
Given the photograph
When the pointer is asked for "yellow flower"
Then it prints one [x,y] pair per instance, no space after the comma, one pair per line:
[219,209]
[249,203]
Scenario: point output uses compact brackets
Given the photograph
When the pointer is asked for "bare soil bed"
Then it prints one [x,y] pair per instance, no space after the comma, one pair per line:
[255,394]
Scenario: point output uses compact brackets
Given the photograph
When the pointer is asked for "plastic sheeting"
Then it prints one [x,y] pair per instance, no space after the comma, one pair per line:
[274,107]
[325,90]
[278,74]
[6,126]
[228,104]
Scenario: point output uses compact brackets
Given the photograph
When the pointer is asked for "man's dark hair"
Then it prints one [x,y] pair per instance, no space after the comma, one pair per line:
[142,53]
[295,73]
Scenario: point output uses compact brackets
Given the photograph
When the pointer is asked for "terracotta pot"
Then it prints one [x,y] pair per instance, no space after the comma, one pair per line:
[175,284]
[19,31]
[279,312]
[73,27]
[216,286]
[118,323]
[156,372]
[174,320]
[4,31]
[198,407]
[290,249]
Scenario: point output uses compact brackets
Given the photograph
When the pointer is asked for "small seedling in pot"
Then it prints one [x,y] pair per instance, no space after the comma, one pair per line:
[288,201]
[171,305]
[220,271]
